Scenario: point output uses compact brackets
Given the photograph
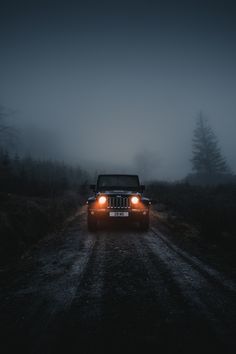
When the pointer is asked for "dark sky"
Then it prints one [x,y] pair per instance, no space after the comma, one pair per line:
[112,79]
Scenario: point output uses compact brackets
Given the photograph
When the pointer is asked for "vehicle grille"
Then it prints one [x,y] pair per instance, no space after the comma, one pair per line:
[118,202]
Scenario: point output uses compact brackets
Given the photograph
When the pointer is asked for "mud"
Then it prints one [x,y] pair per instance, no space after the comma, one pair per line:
[116,290]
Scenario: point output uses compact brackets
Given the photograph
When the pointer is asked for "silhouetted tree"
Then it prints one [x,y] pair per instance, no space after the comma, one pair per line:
[30,177]
[207,158]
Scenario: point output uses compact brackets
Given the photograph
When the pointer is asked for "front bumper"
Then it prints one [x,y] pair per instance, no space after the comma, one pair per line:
[133,214]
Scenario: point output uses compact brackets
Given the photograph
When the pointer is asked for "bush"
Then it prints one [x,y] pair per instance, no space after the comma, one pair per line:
[24,221]
[211,208]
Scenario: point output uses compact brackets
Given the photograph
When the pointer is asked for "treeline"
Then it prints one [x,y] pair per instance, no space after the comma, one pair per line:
[41,178]
[36,197]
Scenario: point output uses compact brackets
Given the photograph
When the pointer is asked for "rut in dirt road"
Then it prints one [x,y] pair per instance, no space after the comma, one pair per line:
[116,290]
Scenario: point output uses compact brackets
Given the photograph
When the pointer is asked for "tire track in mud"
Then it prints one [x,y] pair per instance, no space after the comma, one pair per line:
[82,328]
[199,270]
[38,298]
[149,301]
[211,274]
[182,324]
[117,290]
[122,283]
[133,316]
[213,302]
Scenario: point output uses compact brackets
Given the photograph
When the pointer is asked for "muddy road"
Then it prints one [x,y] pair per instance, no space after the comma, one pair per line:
[116,290]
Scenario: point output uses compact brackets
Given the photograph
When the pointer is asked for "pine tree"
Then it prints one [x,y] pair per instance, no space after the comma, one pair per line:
[207,158]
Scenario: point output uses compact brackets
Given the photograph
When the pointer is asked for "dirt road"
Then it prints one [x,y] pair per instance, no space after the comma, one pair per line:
[116,290]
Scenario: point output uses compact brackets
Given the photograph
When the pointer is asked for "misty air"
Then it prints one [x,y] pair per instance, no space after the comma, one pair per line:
[117,176]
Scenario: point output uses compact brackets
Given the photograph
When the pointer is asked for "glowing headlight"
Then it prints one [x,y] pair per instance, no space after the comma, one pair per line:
[102,200]
[134,200]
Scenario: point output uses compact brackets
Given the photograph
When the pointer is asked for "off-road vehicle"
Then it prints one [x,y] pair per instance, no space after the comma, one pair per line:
[118,197]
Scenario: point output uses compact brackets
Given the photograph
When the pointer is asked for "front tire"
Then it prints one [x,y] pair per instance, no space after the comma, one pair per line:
[92,223]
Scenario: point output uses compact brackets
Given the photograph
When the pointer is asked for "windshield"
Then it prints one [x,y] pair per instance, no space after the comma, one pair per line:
[118,182]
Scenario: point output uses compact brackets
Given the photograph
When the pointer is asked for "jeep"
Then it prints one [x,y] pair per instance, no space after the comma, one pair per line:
[118,197]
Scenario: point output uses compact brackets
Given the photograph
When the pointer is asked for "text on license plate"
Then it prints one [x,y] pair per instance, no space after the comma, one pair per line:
[119,213]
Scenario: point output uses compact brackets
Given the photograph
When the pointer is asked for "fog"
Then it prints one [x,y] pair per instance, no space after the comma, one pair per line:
[117,86]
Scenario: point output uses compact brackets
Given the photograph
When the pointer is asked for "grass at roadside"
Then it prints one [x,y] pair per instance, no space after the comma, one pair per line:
[25,220]
[201,216]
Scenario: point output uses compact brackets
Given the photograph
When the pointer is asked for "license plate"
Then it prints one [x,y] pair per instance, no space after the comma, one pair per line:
[119,213]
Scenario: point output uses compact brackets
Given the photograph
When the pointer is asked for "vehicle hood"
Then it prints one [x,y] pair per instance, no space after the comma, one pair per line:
[119,192]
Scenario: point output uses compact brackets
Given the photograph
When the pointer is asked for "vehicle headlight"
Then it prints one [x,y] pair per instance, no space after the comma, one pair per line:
[102,200]
[134,200]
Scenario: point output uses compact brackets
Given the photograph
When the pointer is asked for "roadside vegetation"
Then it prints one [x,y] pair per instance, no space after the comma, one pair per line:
[206,197]
[36,197]
[210,208]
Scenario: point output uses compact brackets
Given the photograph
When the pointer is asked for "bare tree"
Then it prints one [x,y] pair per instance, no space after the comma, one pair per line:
[207,158]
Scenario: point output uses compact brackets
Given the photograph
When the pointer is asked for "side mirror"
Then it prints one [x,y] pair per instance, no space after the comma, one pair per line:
[93,187]
[142,187]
